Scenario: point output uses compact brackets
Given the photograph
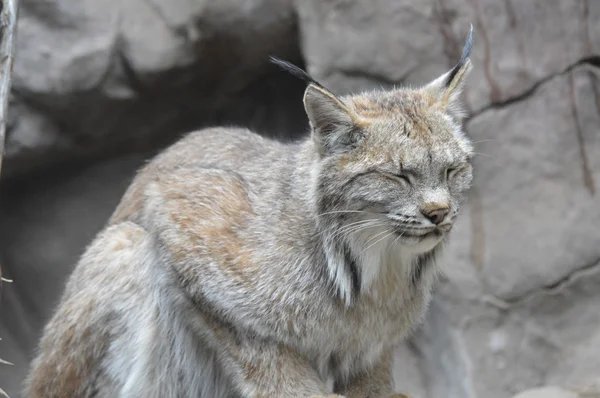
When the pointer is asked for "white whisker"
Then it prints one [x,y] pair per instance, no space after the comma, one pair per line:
[343,228]
[373,244]
[348,225]
[393,243]
[357,229]
[341,211]
[376,236]
[484,154]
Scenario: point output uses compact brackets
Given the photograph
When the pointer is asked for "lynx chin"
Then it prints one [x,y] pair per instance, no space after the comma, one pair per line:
[238,266]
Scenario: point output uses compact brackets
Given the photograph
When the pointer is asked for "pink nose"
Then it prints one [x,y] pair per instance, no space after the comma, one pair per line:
[436,216]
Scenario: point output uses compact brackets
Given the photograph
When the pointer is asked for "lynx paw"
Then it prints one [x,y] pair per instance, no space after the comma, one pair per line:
[399,396]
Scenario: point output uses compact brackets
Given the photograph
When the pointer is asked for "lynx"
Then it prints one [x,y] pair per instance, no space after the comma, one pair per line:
[238,266]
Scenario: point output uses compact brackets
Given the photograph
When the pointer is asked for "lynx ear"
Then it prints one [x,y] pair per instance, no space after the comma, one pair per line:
[334,124]
[446,89]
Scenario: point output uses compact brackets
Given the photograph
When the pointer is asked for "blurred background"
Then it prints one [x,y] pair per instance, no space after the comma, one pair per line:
[100,86]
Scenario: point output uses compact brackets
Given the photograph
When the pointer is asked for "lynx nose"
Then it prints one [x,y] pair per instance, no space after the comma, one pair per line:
[436,216]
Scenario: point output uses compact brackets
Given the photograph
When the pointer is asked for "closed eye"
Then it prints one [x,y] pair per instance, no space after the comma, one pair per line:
[450,172]
[454,170]
[401,177]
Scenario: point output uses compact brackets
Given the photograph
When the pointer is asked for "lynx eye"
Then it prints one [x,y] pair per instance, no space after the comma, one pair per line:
[402,177]
[450,172]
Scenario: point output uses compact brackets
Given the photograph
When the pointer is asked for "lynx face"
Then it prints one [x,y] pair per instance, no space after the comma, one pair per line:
[398,158]
[410,168]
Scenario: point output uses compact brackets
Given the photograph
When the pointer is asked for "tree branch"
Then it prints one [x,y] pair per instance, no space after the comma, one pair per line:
[8,22]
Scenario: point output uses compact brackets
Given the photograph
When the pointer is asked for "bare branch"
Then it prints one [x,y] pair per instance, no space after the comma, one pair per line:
[8,22]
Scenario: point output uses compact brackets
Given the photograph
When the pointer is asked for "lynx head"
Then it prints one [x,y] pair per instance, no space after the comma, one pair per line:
[398,157]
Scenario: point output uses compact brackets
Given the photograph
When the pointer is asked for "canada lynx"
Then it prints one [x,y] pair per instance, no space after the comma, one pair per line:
[240,266]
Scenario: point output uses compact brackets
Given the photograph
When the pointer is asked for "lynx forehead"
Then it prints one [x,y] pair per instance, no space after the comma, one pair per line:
[407,126]
[400,120]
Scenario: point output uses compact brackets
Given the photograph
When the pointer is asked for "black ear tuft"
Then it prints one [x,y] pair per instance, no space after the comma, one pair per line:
[463,59]
[468,46]
[294,70]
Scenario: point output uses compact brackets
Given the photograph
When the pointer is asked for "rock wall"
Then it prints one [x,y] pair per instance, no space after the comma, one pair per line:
[100,86]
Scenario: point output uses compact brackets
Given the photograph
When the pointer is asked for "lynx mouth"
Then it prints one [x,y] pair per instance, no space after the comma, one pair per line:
[409,234]
[423,233]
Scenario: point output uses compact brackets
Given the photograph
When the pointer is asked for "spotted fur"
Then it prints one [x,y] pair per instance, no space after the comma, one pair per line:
[240,266]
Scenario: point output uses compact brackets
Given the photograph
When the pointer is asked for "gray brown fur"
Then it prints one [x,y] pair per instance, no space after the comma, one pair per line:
[240,266]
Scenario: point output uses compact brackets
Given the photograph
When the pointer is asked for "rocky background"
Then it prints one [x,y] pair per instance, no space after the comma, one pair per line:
[100,85]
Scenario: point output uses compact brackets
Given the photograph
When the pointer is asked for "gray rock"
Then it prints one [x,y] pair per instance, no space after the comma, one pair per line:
[356,45]
[590,391]
[547,392]
[96,77]
[536,208]
[382,42]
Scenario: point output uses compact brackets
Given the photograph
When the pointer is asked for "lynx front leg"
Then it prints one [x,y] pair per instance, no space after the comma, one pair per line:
[267,370]
[374,383]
